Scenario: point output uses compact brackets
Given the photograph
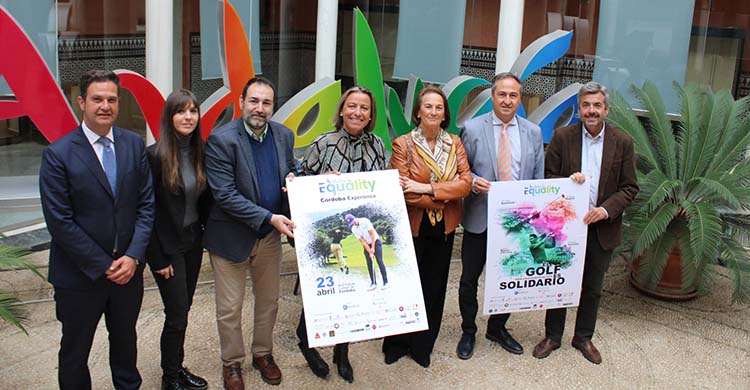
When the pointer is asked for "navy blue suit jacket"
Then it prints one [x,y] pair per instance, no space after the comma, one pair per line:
[82,215]
[236,217]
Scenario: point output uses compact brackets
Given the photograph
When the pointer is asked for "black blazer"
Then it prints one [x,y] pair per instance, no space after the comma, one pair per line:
[168,233]
[236,217]
[82,215]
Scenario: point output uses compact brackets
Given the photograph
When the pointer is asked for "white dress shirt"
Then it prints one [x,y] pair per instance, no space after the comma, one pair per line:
[591,161]
[363,230]
[98,147]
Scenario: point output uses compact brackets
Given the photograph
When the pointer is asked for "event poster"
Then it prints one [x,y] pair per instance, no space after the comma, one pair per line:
[358,271]
[536,244]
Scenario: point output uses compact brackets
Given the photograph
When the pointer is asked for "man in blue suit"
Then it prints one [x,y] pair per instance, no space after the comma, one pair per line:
[97,199]
[499,146]
[247,161]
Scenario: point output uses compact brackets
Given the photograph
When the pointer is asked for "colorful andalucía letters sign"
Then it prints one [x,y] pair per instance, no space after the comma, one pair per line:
[31,82]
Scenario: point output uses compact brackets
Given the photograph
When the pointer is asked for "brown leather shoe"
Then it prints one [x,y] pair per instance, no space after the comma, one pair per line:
[588,350]
[233,377]
[545,347]
[269,371]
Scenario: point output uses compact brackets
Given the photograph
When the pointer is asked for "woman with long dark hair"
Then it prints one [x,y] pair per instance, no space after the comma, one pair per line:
[351,147]
[175,252]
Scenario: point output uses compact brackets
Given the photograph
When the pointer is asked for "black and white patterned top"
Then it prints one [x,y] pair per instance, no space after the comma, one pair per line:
[340,151]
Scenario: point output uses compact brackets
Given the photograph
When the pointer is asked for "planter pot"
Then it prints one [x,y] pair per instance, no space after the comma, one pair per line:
[670,287]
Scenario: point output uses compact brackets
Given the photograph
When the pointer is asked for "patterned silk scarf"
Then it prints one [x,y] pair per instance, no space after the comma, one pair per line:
[441,161]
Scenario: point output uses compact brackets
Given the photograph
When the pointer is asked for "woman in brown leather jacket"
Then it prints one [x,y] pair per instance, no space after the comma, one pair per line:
[435,176]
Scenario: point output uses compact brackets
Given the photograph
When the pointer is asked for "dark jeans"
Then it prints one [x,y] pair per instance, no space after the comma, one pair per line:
[381,265]
[177,295]
[473,258]
[79,311]
[433,250]
[596,265]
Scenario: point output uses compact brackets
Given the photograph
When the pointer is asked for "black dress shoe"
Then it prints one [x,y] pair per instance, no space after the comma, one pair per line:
[341,359]
[506,341]
[465,348]
[171,384]
[423,361]
[317,365]
[393,354]
[191,381]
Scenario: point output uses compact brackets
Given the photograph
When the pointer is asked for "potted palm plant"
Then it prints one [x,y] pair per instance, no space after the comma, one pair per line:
[11,258]
[692,209]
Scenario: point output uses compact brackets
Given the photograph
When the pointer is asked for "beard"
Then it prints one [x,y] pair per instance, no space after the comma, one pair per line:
[255,121]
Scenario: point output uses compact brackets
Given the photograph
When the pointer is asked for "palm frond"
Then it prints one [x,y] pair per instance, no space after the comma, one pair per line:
[691,272]
[737,137]
[647,228]
[705,226]
[704,141]
[741,220]
[707,188]
[725,100]
[12,258]
[691,109]
[662,193]
[621,115]
[12,313]
[737,261]
[649,272]
[660,125]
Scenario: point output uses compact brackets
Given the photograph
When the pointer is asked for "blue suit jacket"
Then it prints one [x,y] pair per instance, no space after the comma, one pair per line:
[478,138]
[82,215]
[234,221]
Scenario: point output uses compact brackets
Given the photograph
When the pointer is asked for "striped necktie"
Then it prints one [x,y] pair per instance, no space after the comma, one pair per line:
[504,160]
[109,163]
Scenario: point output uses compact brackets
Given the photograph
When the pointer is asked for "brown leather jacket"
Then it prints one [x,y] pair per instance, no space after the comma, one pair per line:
[447,195]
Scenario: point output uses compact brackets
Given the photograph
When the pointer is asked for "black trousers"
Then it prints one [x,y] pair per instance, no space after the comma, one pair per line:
[79,311]
[596,265]
[177,296]
[433,250]
[473,258]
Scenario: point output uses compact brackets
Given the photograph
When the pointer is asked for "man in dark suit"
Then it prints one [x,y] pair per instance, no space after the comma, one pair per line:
[603,156]
[247,161]
[500,146]
[97,199]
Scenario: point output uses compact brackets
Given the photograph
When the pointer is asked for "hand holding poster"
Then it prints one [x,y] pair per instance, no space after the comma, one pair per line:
[358,272]
[536,245]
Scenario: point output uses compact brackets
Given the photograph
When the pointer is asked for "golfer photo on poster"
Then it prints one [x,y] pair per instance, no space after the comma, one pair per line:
[358,272]
[536,245]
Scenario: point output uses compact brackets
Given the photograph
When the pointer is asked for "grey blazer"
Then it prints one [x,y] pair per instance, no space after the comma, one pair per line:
[479,141]
[234,221]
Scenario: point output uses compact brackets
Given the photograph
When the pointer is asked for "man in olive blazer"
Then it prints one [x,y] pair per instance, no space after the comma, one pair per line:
[603,156]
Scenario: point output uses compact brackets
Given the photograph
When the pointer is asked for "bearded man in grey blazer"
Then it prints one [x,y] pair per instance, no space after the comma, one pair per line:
[247,161]
[500,146]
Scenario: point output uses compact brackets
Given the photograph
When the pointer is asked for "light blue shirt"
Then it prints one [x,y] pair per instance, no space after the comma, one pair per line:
[515,142]
[591,161]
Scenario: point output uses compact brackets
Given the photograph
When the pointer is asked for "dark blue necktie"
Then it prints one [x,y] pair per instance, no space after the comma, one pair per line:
[109,163]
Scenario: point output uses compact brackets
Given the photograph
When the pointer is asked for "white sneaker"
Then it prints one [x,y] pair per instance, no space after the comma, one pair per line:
[372,287]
